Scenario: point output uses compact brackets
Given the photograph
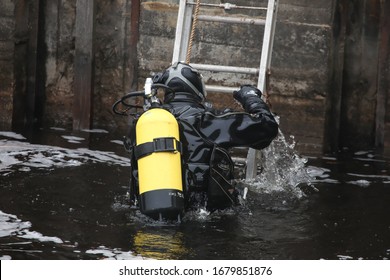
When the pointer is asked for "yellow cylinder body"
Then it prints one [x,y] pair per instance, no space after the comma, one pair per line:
[159,173]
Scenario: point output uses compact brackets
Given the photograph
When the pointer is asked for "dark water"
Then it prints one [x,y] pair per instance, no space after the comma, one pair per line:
[66,198]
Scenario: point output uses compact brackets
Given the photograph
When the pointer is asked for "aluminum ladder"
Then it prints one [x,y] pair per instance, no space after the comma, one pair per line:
[181,45]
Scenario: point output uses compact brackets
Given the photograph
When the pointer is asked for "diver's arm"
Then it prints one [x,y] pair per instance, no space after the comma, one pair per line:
[256,128]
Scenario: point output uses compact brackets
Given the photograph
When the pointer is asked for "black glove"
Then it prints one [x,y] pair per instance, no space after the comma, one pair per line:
[249,97]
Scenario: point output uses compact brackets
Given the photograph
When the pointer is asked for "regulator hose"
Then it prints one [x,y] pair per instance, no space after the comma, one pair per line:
[127,106]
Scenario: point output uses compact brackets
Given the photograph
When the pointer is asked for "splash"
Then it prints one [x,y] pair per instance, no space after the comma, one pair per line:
[282,169]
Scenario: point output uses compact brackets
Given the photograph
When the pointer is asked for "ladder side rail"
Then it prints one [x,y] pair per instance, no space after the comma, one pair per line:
[266,52]
[183,30]
[265,62]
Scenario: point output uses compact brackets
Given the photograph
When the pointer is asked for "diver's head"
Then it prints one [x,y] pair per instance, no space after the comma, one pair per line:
[184,80]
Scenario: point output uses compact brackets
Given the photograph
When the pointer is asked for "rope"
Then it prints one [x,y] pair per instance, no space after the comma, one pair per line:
[194,22]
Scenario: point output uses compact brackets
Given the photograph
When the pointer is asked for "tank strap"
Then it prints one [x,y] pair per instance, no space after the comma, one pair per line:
[163,144]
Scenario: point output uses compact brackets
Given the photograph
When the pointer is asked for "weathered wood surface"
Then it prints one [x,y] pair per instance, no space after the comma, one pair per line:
[84,64]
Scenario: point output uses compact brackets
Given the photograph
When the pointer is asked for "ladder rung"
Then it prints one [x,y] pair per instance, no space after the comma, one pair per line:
[229,69]
[242,20]
[221,89]
[228,6]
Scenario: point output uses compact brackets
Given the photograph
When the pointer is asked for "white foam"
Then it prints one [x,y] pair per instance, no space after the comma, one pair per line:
[114,254]
[73,139]
[12,135]
[359,153]
[25,156]
[361,183]
[387,177]
[95,130]
[119,142]
[329,158]
[11,225]
[315,172]
[343,257]
[58,128]
[370,159]
[327,181]
[26,234]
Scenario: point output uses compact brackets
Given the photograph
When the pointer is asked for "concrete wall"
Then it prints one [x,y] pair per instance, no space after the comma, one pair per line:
[315,84]
[299,78]
[115,61]
[299,84]
[59,39]
[112,70]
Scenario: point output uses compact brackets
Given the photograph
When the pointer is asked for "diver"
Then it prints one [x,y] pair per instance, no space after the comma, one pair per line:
[206,136]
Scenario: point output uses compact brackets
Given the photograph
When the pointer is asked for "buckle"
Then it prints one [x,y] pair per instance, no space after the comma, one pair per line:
[165,144]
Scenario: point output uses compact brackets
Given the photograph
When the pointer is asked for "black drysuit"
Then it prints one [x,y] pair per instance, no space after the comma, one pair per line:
[206,137]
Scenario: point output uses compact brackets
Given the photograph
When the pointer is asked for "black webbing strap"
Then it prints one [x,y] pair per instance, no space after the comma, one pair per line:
[163,144]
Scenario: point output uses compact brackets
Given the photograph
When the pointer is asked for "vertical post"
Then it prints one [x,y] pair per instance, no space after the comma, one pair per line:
[336,66]
[357,114]
[84,64]
[20,64]
[32,62]
[132,44]
[383,74]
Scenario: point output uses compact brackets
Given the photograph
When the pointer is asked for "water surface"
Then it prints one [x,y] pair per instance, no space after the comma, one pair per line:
[65,196]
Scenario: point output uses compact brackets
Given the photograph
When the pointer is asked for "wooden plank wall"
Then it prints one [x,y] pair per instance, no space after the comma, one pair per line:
[84,64]
[383,94]
[336,68]
[32,61]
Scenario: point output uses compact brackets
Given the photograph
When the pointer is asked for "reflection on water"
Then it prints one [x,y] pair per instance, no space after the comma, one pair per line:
[159,244]
[65,197]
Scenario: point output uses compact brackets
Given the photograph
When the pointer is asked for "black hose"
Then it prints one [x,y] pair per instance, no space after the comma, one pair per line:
[133,94]
[170,90]
[127,105]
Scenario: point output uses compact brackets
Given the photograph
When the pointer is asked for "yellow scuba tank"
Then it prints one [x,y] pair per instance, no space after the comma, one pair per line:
[158,153]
